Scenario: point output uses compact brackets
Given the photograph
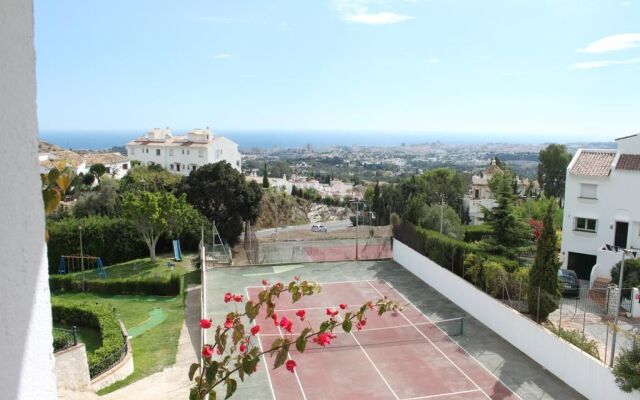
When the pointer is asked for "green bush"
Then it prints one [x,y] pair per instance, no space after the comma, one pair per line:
[157,286]
[577,339]
[627,369]
[475,233]
[495,278]
[114,240]
[93,316]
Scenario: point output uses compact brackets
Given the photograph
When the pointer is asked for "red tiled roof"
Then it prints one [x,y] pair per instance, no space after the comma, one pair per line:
[593,163]
[629,162]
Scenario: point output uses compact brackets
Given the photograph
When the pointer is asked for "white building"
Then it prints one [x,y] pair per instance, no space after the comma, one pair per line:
[183,154]
[117,165]
[601,208]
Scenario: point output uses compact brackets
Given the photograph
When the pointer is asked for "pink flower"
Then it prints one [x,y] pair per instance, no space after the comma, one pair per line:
[331,312]
[265,282]
[228,323]
[228,297]
[274,317]
[360,325]
[284,322]
[296,278]
[289,327]
[205,323]
[207,351]
[290,365]
[301,314]
[243,347]
[255,329]
[237,298]
[343,306]
[323,339]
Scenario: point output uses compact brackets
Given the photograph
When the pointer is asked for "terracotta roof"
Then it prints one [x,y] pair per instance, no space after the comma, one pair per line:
[629,162]
[593,163]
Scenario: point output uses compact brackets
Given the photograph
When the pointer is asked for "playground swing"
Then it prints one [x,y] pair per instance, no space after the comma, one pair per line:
[74,263]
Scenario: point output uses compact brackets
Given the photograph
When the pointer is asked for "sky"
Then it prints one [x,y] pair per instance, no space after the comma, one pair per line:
[545,68]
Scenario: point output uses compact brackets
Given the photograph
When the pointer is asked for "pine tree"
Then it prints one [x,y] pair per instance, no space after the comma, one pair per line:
[265,178]
[508,229]
[543,276]
[376,204]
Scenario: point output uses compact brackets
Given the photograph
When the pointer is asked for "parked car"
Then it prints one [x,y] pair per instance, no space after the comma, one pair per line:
[318,228]
[569,283]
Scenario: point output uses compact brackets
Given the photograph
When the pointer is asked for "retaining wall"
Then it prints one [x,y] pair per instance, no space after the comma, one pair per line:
[585,374]
[72,368]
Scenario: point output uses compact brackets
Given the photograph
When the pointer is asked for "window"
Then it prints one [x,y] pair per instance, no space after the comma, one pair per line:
[133,151]
[477,194]
[157,152]
[146,151]
[188,152]
[171,152]
[588,191]
[200,153]
[171,167]
[585,224]
[125,166]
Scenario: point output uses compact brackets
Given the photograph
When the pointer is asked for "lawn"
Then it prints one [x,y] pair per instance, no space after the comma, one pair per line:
[89,336]
[156,321]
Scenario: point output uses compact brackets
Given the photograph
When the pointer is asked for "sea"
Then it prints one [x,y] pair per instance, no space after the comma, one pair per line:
[268,139]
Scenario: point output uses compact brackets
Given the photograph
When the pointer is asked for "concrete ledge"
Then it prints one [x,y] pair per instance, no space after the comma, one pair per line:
[119,371]
[72,368]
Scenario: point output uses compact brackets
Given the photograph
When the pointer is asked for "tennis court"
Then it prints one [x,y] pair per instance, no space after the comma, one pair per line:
[429,350]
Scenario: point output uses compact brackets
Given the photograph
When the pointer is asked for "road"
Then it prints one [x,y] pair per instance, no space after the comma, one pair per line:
[331,225]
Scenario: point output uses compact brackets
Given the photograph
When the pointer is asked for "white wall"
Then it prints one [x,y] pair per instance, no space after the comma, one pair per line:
[26,351]
[577,369]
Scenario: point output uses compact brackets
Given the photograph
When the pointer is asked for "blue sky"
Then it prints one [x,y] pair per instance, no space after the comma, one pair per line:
[555,69]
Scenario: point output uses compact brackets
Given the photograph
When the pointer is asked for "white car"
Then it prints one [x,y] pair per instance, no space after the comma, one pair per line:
[318,228]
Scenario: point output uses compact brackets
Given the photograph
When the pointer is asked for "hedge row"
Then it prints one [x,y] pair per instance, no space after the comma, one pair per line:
[93,316]
[153,286]
[475,233]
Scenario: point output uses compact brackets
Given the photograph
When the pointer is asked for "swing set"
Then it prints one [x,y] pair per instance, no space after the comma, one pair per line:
[74,263]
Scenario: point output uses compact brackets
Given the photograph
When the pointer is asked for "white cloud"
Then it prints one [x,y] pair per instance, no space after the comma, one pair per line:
[358,11]
[433,60]
[222,56]
[613,43]
[606,63]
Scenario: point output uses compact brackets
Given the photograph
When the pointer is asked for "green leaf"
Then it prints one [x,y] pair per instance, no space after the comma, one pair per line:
[211,372]
[281,357]
[301,341]
[296,296]
[192,370]
[212,395]
[194,394]
[346,325]
[277,343]
[238,333]
[251,310]
[232,385]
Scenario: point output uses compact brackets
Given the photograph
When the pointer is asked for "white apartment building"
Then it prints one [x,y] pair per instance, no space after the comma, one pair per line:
[602,210]
[183,154]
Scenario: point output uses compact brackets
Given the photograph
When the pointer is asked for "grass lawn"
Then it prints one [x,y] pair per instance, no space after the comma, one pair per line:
[155,348]
[89,336]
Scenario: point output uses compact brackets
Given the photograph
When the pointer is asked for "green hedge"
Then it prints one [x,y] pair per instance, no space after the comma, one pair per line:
[113,239]
[577,339]
[156,286]
[92,316]
[475,233]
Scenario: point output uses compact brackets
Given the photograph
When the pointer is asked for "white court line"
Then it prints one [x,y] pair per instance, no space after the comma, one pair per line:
[319,283]
[374,365]
[450,338]
[434,396]
[264,358]
[436,347]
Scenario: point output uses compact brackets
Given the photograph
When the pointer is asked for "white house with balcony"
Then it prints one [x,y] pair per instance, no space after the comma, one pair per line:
[185,153]
[602,208]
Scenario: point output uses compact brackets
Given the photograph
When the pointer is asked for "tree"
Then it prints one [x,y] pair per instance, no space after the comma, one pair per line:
[221,194]
[149,178]
[544,288]
[377,205]
[451,225]
[552,170]
[265,177]
[98,170]
[103,200]
[443,182]
[155,213]
[627,369]
[508,229]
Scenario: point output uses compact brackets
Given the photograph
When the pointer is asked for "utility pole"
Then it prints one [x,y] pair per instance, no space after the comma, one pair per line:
[357,203]
[81,258]
[442,196]
[617,310]
[275,201]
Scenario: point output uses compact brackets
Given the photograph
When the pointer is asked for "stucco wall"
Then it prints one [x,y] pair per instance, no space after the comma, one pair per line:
[72,368]
[26,351]
[582,372]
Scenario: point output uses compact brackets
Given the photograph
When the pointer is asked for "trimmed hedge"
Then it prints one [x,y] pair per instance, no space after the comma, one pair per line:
[93,316]
[475,233]
[156,286]
[113,239]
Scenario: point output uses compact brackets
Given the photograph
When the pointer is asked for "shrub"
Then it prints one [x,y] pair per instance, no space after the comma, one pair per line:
[627,369]
[94,316]
[156,286]
[495,278]
[475,233]
[577,339]
[114,240]
[631,276]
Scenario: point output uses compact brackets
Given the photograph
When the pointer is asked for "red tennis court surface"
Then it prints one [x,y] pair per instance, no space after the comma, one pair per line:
[345,253]
[399,356]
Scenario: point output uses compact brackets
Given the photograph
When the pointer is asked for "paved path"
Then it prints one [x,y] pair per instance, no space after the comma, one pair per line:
[172,382]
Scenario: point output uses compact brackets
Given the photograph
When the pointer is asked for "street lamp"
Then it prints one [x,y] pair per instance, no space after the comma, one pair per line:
[625,252]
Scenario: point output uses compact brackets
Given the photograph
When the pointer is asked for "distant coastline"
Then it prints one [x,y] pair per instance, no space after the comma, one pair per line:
[98,140]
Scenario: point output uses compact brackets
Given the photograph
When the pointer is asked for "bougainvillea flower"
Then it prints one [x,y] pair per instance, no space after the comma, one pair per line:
[322,339]
[237,298]
[207,351]
[343,306]
[228,323]
[205,323]
[265,282]
[284,322]
[331,312]
[255,329]
[300,314]
[290,365]
[296,278]
[243,347]
[289,327]
[228,297]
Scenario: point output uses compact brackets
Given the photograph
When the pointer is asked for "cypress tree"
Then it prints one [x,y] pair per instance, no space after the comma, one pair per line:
[544,272]
[508,229]
[265,178]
